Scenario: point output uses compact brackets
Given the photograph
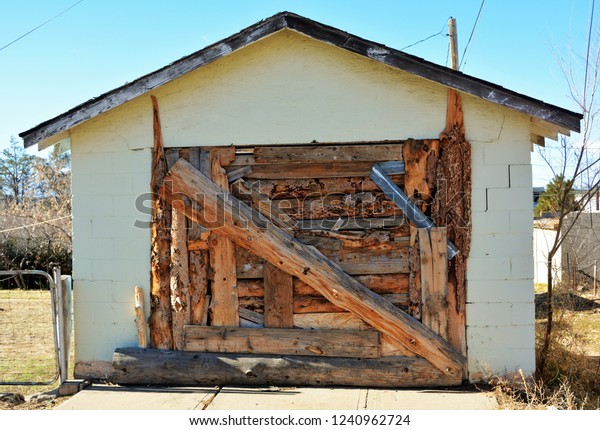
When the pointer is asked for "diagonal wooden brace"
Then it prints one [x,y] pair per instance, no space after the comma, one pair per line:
[252,231]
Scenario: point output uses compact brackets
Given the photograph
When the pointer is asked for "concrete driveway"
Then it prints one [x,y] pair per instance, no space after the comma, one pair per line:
[112,397]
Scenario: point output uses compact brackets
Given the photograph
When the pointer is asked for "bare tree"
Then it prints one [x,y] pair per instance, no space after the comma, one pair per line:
[577,161]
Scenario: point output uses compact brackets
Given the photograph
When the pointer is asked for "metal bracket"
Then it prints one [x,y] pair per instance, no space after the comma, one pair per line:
[412,212]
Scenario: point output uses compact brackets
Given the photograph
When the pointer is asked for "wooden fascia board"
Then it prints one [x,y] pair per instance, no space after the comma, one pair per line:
[378,52]
[151,81]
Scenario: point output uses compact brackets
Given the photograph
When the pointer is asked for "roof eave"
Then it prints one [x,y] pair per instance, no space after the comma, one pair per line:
[560,117]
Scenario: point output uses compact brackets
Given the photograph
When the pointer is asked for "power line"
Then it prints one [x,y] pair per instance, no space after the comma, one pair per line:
[441,32]
[41,25]
[471,36]
[35,224]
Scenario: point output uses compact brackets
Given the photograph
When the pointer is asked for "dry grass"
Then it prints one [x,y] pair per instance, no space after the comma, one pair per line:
[571,379]
[26,344]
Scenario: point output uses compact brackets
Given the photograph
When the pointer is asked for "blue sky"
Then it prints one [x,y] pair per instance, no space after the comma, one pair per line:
[101,44]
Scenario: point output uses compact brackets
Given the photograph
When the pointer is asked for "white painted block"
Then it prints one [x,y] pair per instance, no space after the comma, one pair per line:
[479,200]
[123,292]
[522,267]
[116,313]
[89,163]
[509,291]
[82,269]
[505,153]
[90,291]
[523,313]
[115,228]
[127,206]
[520,175]
[93,248]
[510,199]
[123,270]
[488,268]
[522,336]
[521,221]
[133,248]
[490,176]
[82,227]
[138,161]
[484,223]
[92,205]
[488,362]
[501,245]
[489,314]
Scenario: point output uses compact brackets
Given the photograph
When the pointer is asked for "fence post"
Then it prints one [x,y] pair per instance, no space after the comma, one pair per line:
[61,323]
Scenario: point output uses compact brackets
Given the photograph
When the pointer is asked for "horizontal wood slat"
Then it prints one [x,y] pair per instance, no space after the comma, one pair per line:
[181,368]
[283,341]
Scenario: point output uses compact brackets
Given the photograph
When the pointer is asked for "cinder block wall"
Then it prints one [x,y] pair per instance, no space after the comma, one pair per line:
[111,171]
[500,308]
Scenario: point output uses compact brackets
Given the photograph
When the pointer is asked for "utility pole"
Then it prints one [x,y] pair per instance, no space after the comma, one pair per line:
[453,42]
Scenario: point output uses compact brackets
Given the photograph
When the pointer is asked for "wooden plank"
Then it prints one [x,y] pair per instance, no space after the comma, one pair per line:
[224,285]
[393,283]
[222,253]
[161,335]
[194,229]
[308,264]
[179,368]
[320,304]
[361,205]
[298,154]
[197,245]
[354,261]
[236,174]
[254,317]
[308,170]
[140,318]
[352,223]
[198,262]
[279,298]
[276,189]
[264,205]
[251,288]
[393,348]
[331,321]
[414,282]
[283,341]
[180,278]
[434,285]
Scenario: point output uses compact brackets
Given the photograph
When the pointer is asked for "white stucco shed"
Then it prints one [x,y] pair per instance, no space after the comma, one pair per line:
[291,81]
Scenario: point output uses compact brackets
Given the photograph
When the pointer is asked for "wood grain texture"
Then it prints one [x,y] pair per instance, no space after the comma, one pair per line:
[279,297]
[198,261]
[222,252]
[434,281]
[308,264]
[140,318]
[180,278]
[330,321]
[280,341]
[161,335]
[180,368]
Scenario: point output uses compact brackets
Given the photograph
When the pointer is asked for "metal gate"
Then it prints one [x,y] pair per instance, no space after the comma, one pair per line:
[60,300]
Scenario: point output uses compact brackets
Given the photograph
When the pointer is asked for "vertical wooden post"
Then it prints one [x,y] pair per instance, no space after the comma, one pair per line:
[140,318]
[198,260]
[180,278]
[434,280]
[222,254]
[161,335]
[279,298]
[452,33]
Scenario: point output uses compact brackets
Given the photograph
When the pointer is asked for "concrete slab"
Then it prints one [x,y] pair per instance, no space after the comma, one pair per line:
[113,397]
[380,399]
[232,398]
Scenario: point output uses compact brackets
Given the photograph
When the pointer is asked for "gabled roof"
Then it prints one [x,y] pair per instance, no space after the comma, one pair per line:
[550,119]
